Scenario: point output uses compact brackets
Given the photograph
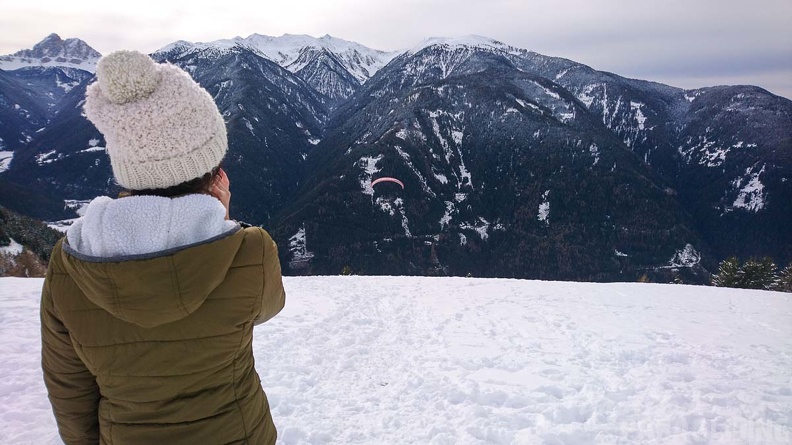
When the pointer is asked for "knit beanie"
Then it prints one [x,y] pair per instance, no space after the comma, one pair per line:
[160,126]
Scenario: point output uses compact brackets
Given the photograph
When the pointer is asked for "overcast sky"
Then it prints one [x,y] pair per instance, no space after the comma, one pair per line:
[685,43]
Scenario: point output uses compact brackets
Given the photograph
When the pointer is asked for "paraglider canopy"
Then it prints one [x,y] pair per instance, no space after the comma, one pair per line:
[387,179]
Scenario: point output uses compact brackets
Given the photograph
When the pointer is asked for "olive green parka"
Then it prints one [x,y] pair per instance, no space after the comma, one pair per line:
[157,348]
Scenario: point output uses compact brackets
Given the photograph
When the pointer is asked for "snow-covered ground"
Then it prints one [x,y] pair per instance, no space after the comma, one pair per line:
[406,360]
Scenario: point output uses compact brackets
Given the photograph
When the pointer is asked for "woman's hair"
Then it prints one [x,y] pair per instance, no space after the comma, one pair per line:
[201,184]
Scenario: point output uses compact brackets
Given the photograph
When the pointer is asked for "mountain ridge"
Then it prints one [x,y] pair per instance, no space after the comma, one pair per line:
[514,163]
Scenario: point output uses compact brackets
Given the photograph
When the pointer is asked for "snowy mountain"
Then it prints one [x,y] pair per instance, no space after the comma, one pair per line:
[22,113]
[412,360]
[502,167]
[53,52]
[274,120]
[514,163]
[33,82]
[725,151]
[466,42]
[334,67]
[29,99]
[289,51]
[720,207]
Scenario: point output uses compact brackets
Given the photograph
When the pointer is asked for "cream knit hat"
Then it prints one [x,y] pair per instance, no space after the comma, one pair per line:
[161,127]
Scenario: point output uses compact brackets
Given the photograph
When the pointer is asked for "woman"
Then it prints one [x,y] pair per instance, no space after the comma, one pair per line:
[149,303]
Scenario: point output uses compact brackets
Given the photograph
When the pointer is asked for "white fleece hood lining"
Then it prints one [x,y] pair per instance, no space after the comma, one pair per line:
[138,225]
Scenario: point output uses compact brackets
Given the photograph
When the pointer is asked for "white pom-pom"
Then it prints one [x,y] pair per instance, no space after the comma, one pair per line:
[127,76]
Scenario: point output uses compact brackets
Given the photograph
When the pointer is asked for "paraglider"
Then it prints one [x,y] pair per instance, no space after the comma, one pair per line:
[387,179]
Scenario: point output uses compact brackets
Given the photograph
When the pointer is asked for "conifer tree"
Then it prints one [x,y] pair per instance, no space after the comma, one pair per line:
[785,279]
[728,272]
[757,274]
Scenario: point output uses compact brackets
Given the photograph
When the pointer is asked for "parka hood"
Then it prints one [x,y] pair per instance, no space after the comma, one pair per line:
[157,288]
[151,260]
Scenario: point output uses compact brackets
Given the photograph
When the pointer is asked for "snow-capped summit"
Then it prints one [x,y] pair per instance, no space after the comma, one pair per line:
[361,61]
[184,46]
[464,41]
[294,52]
[54,51]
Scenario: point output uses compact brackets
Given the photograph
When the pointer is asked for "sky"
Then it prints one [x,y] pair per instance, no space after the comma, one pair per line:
[684,43]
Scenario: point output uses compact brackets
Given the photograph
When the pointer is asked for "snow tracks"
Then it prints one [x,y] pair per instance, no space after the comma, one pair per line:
[403,360]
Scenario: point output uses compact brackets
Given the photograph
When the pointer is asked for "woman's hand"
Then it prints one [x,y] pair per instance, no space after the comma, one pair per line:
[221,190]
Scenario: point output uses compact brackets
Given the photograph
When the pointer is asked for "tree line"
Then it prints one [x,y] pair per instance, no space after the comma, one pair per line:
[753,274]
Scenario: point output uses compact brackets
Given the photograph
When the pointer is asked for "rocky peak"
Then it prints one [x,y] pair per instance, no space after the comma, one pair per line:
[53,47]
[53,51]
